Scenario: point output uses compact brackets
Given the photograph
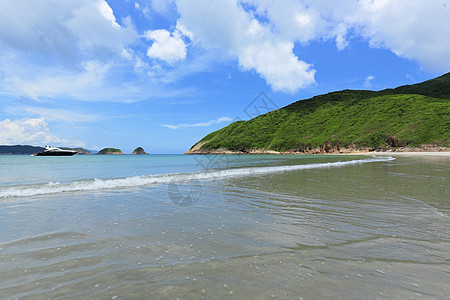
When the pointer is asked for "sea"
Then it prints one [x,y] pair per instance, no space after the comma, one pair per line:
[224,227]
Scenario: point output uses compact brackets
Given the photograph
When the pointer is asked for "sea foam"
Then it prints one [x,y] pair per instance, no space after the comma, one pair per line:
[138,181]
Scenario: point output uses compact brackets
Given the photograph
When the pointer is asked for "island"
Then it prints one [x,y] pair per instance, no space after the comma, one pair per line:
[139,151]
[408,118]
[110,151]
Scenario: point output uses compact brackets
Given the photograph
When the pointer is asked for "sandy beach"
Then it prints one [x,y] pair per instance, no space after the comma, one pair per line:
[409,153]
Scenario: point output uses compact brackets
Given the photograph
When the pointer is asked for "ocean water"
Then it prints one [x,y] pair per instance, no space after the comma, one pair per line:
[224,227]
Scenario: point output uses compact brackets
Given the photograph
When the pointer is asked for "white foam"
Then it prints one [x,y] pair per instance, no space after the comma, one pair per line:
[138,181]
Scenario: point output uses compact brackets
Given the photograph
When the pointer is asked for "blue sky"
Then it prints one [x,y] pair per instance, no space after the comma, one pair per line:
[162,74]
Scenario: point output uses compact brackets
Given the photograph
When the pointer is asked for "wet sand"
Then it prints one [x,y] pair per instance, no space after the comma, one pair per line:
[447,154]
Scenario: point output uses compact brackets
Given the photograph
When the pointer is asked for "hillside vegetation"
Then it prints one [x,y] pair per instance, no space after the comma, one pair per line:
[408,116]
[139,151]
[110,151]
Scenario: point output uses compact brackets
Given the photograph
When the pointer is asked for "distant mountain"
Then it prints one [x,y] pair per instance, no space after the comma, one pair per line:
[20,149]
[25,149]
[413,116]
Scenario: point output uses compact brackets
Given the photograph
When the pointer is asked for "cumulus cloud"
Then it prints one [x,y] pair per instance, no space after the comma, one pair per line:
[81,50]
[261,34]
[295,20]
[416,30]
[62,28]
[27,131]
[166,46]
[226,26]
[55,114]
[54,48]
[202,124]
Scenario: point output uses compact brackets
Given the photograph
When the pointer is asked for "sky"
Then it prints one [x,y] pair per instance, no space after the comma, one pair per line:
[162,74]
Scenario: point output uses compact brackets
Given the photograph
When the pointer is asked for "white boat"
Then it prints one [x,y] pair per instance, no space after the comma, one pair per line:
[53,151]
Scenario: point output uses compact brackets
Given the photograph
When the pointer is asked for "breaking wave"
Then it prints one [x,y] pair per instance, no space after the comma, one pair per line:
[138,181]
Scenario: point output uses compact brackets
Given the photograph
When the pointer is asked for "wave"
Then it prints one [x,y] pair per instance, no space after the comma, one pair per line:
[139,181]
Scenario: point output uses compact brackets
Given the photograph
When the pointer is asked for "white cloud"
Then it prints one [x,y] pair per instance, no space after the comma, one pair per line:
[27,131]
[96,81]
[55,114]
[63,28]
[53,49]
[225,26]
[166,46]
[59,82]
[417,30]
[67,49]
[368,82]
[202,124]
[277,65]
[295,20]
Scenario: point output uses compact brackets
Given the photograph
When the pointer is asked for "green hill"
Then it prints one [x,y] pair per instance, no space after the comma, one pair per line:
[110,151]
[408,116]
[139,151]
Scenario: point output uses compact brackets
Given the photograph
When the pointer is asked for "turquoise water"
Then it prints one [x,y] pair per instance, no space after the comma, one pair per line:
[253,227]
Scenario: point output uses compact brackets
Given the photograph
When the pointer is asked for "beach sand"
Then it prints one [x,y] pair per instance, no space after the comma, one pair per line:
[409,153]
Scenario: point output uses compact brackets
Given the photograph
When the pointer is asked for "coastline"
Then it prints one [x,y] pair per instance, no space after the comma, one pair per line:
[417,151]
[431,153]
[391,153]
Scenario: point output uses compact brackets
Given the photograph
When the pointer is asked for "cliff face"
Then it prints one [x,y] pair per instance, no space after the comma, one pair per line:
[139,151]
[110,151]
[415,117]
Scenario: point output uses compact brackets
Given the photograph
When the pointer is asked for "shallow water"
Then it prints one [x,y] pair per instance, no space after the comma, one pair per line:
[244,227]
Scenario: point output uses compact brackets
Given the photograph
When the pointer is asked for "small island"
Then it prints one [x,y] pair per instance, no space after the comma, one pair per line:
[110,151]
[139,151]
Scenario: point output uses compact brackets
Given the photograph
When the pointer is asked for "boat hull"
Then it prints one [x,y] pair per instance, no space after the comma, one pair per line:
[55,154]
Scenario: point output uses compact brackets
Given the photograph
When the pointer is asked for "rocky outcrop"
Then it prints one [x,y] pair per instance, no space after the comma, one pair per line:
[110,151]
[139,151]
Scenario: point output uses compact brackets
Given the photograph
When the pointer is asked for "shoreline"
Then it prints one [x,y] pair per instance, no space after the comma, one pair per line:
[431,153]
[430,148]
[270,152]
